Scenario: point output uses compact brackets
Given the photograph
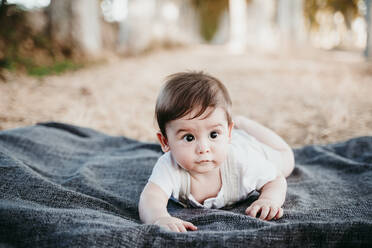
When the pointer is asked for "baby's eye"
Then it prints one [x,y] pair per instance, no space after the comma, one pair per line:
[188,137]
[213,135]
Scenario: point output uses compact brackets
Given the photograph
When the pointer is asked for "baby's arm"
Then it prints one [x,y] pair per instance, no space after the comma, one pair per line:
[270,200]
[152,209]
[270,138]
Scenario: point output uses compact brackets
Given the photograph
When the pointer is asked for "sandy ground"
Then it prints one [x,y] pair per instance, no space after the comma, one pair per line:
[307,97]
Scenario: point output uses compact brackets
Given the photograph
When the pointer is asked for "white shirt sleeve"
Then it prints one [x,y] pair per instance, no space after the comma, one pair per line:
[166,175]
[251,157]
[270,154]
[257,171]
[266,172]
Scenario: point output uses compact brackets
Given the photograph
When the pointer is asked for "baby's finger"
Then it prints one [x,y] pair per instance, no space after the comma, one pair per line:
[248,209]
[190,226]
[252,210]
[181,228]
[279,214]
[264,212]
[173,227]
[273,212]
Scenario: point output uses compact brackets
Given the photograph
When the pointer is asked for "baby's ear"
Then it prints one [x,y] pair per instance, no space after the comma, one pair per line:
[231,125]
[163,142]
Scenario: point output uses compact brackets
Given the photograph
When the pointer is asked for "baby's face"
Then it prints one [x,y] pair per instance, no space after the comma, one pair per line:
[199,145]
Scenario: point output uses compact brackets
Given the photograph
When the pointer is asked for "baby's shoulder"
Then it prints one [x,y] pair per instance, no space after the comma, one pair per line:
[241,143]
[241,137]
[245,150]
[164,159]
[246,144]
[167,162]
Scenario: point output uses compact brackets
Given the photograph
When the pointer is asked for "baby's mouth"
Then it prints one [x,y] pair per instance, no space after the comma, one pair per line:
[205,161]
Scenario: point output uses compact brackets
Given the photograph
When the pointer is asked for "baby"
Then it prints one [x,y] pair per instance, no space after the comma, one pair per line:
[211,160]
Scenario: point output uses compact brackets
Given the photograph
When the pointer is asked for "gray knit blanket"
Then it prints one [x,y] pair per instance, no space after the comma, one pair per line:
[69,186]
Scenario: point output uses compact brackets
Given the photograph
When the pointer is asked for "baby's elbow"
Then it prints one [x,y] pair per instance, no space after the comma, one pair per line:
[141,206]
[144,202]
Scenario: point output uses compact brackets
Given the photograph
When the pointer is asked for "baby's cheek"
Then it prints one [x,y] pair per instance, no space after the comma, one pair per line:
[221,152]
[182,158]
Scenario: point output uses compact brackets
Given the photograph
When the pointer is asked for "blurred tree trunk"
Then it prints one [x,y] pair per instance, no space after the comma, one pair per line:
[238,25]
[290,19]
[156,23]
[135,31]
[368,50]
[75,26]
[261,27]
[189,23]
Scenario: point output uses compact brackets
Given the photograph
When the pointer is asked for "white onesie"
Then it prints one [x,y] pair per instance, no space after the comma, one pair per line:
[245,170]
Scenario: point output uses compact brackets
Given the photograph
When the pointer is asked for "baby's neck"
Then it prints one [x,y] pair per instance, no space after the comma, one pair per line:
[213,175]
[204,186]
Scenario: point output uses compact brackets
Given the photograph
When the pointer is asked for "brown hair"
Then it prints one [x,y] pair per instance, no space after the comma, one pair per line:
[185,91]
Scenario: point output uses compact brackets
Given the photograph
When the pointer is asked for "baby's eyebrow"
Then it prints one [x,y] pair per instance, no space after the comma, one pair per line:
[182,130]
[185,130]
[216,125]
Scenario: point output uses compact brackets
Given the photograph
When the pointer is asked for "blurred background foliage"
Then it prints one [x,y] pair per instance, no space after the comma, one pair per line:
[27,48]
[348,8]
[210,12]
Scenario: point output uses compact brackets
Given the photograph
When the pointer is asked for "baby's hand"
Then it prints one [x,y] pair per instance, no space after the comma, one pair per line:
[267,209]
[175,224]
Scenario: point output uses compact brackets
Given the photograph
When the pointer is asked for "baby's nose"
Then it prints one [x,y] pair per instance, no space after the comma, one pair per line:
[203,147]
